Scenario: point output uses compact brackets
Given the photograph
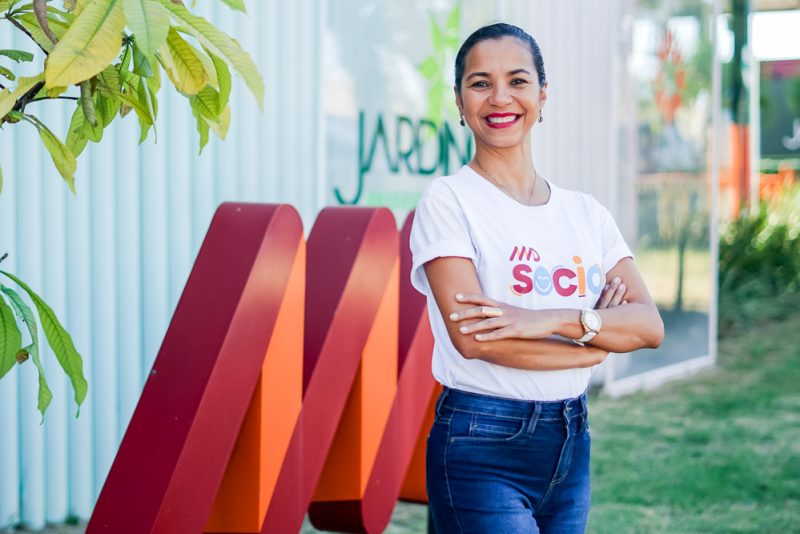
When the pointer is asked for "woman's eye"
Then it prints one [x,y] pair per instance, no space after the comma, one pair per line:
[518,81]
[480,84]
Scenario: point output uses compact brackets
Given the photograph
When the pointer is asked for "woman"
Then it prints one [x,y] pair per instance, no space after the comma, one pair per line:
[515,272]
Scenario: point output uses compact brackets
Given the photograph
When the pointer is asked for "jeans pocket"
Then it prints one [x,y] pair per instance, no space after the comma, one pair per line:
[482,427]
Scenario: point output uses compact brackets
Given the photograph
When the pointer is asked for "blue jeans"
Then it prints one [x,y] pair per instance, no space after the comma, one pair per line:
[498,465]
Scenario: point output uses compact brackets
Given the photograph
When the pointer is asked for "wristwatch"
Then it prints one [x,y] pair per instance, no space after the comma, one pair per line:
[591,322]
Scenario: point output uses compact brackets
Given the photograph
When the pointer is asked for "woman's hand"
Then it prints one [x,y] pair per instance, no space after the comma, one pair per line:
[504,321]
[613,295]
[500,320]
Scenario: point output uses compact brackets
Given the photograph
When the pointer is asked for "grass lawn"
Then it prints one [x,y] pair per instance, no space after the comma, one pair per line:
[718,452]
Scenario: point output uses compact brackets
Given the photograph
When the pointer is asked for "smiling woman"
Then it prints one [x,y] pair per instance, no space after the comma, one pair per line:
[529,286]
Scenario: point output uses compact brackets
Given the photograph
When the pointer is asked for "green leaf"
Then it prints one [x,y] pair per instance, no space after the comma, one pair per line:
[222,45]
[206,102]
[88,46]
[142,110]
[202,129]
[7,74]
[149,22]
[8,98]
[109,82]
[62,157]
[238,5]
[17,55]
[60,341]
[107,108]
[26,314]
[28,21]
[5,5]
[182,64]
[76,135]
[141,65]
[222,124]
[125,63]
[10,338]
[223,75]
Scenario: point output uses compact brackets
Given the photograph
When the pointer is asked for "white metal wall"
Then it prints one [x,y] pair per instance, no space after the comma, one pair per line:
[113,261]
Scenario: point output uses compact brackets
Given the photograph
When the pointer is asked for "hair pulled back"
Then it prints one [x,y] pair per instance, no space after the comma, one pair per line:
[497,31]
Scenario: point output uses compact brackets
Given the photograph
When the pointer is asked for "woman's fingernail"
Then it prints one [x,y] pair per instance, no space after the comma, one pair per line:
[454,316]
[459,296]
[463,329]
[622,286]
[616,280]
[479,337]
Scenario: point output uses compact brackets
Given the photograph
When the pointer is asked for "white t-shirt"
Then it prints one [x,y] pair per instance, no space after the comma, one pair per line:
[551,256]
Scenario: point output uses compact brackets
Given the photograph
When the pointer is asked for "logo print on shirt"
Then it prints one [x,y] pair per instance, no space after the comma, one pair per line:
[564,280]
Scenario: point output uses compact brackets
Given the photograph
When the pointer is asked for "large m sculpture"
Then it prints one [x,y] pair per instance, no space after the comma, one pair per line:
[294,378]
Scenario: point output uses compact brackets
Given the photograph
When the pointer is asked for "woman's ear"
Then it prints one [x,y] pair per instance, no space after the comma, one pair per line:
[459,104]
[542,95]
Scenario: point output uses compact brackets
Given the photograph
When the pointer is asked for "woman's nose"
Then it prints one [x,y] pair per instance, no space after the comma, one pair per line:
[500,95]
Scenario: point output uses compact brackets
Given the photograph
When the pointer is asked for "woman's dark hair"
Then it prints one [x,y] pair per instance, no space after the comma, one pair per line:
[497,31]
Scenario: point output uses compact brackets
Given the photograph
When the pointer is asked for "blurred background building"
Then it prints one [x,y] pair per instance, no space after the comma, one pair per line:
[359,110]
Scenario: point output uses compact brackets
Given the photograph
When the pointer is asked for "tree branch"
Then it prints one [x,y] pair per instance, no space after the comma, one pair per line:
[28,97]
[21,28]
[53,98]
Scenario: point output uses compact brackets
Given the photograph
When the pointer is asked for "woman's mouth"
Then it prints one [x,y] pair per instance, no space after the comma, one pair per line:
[502,120]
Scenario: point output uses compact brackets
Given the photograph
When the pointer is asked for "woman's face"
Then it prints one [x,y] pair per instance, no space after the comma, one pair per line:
[500,94]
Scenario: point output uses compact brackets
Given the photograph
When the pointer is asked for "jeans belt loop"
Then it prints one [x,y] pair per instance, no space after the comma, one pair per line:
[534,418]
[442,397]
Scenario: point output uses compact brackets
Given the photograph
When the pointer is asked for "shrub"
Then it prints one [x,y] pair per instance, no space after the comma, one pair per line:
[759,263]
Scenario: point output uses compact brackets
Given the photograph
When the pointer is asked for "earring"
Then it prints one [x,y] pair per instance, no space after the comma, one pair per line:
[462,121]
[540,117]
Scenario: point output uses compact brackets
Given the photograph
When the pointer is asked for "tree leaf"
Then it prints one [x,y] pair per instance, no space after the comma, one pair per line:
[26,314]
[149,22]
[76,135]
[202,128]
[109,82]
[107,108]
[223,75]
[7,74]
[206,102]
[28,21]
[62,157]
[60,341]
[182,64]
[238,5]
[223,124]
[141,65]
[5,5]
[141,110]
[8,98]
[10,338]
[17,55]
[222,45]
[88,46]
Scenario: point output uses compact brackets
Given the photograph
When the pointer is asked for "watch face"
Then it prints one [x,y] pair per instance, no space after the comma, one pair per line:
[591,320]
